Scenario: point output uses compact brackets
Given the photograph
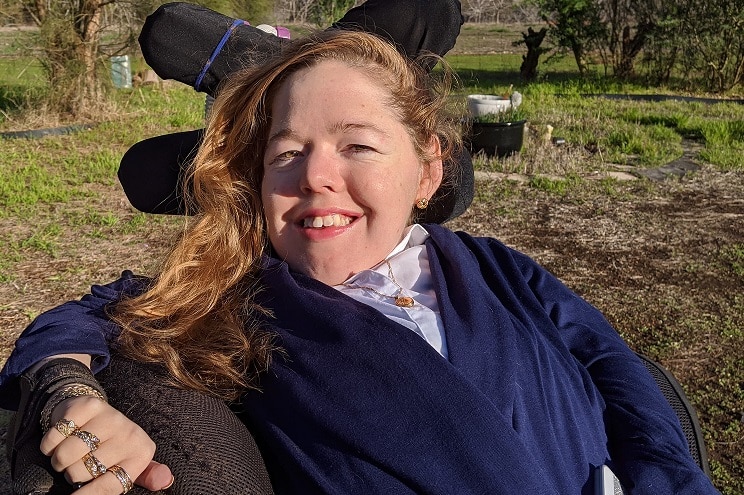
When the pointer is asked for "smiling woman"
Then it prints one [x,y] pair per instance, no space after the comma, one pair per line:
[369,353]
[340,169]
[314,134]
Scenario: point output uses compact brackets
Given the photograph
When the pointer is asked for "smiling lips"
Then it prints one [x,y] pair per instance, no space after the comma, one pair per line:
[334,220]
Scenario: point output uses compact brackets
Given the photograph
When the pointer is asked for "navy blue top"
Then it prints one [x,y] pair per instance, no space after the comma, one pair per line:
[538,389]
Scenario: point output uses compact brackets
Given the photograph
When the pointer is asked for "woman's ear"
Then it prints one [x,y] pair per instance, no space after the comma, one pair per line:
[432,171]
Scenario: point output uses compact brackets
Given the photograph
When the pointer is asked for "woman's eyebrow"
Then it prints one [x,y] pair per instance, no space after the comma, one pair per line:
[345,126]
[336,128]
[283,133]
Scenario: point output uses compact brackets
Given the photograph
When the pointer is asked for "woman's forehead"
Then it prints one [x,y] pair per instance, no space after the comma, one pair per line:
[333,88]
[339,76]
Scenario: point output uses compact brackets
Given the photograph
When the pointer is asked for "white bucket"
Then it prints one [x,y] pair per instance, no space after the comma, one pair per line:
[121,72]
[480,105]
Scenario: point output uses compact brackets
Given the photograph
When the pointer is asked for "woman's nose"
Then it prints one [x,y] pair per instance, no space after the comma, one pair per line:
[322,171]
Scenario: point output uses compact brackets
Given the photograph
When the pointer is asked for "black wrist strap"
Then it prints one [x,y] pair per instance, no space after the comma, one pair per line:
[36,388]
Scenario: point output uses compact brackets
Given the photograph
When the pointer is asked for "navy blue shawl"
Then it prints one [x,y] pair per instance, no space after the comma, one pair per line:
[362,404]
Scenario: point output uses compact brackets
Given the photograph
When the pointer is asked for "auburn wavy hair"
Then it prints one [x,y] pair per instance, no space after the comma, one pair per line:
[198,316]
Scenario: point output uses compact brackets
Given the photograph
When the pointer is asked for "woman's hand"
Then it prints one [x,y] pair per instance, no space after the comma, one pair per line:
[120,442]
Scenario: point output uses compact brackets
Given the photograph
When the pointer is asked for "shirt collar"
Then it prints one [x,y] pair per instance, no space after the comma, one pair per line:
[415,235]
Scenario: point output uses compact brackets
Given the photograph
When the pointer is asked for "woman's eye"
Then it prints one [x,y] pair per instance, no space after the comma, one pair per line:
[287,156]
[358,148]
[283,159]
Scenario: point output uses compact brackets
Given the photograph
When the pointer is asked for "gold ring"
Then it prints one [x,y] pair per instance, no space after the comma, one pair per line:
[95,467]
[90,439]
[65,427]
[123,477]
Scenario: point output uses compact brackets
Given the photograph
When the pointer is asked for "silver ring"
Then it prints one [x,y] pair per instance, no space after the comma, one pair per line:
[95,467]
[123,477]
[90,439]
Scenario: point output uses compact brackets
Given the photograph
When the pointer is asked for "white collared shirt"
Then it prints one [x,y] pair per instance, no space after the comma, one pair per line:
[409,265]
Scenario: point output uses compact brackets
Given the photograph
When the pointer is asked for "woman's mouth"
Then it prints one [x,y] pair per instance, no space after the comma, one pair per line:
[324,221]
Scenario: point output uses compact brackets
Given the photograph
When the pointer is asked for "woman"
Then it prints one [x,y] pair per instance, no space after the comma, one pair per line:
[373,354]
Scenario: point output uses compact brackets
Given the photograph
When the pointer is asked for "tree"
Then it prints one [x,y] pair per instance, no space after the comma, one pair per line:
[532,40]
[629,23]
[294,10]
[254,11]
[70,33]
[574,25]
[325,12]
[704,41]
[70,37]
[11,12]
[711,37]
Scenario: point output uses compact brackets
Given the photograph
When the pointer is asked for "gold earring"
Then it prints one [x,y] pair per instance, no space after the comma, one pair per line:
[422,203]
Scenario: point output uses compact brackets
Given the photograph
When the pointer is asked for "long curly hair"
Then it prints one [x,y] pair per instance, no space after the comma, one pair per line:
[199,317]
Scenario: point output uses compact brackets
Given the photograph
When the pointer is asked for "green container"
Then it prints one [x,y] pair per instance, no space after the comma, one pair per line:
[121,72]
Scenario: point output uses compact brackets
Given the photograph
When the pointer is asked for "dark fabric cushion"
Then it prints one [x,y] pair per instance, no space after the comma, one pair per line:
[415,26]
[151,171]
[179,38]
[206,446]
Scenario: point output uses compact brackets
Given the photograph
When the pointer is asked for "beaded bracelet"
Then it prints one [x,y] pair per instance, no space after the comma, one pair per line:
[68,392]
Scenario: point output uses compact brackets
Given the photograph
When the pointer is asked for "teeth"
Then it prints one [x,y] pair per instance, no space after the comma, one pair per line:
[334,220]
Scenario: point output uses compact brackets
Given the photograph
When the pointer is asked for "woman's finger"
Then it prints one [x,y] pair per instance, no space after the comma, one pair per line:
[133,449]
[108,431]
[93,465]
[69,414]
[114,481]
[70,451]
[155,477]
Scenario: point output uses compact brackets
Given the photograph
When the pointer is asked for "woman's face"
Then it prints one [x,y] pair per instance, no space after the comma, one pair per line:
[341,173]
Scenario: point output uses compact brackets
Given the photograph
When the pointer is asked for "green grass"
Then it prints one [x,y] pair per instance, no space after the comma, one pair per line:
[560,187]
[724,143]
[486,74]
[644,134]
[21,71]
[24,182]
[733,257]
[62,168]
[44,239]
[22,78]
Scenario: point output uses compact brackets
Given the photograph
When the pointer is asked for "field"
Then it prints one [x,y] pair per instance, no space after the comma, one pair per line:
[659,251]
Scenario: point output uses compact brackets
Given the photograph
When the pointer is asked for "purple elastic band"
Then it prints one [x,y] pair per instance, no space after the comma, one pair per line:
[217,50]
